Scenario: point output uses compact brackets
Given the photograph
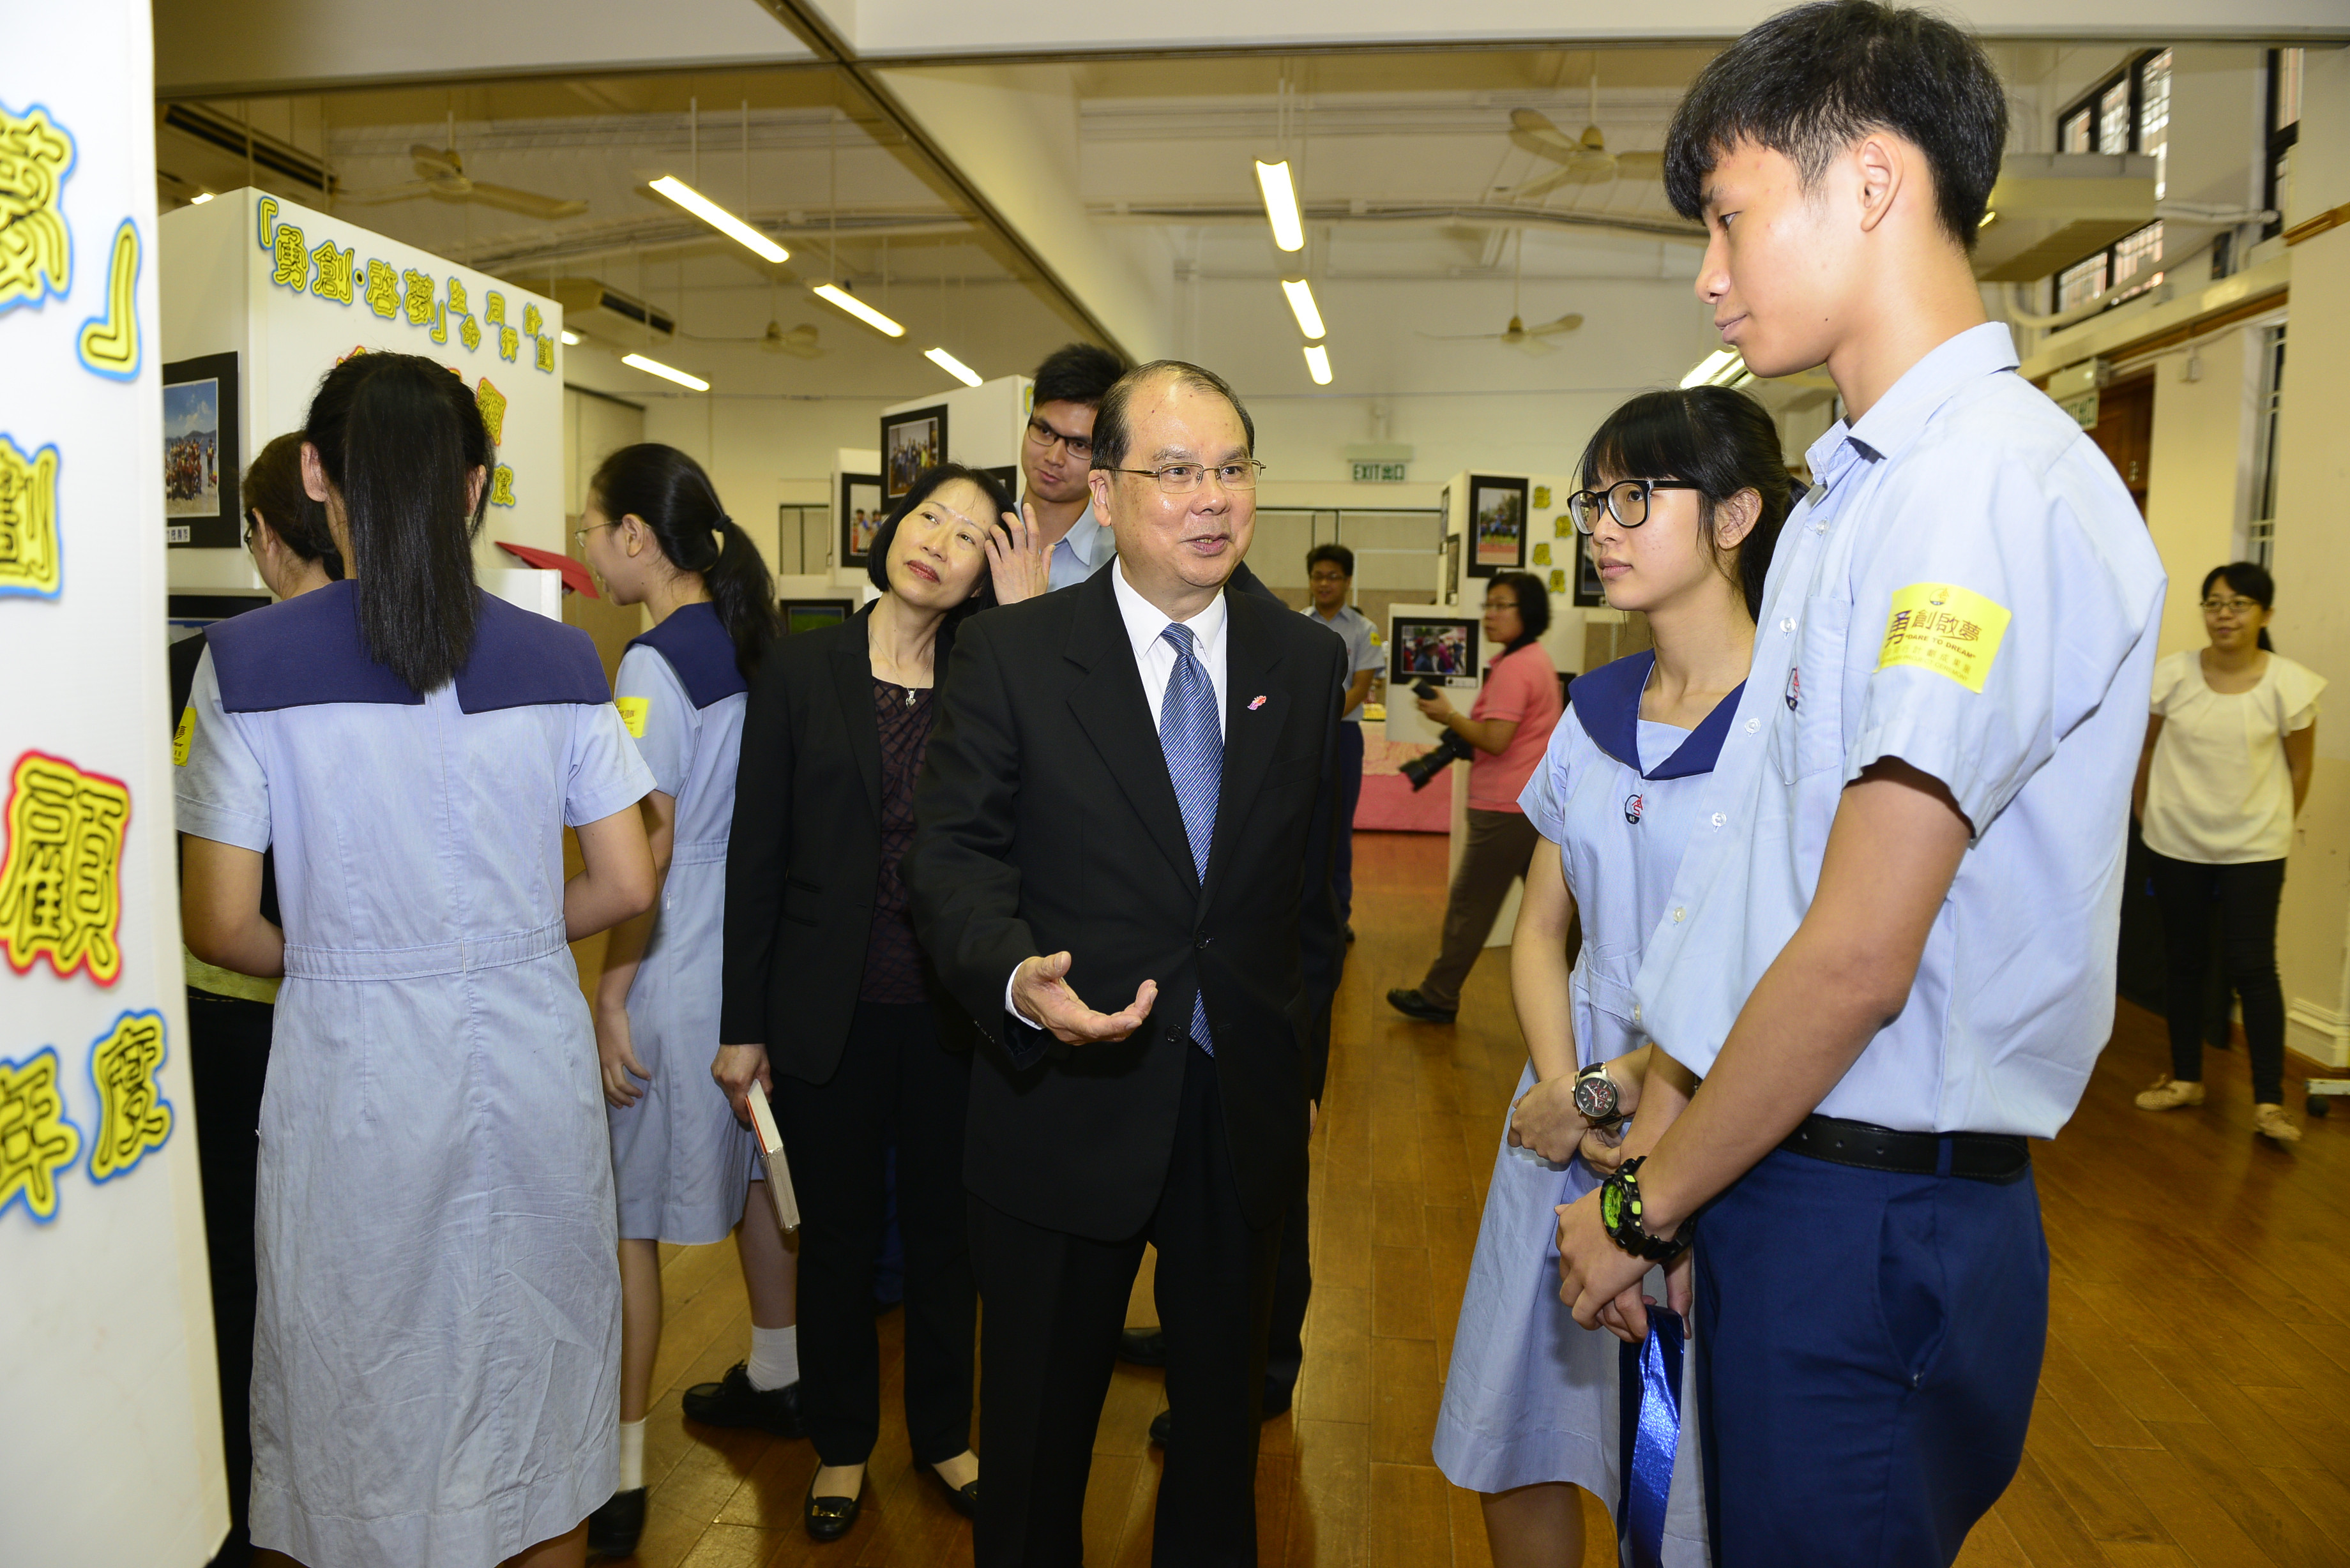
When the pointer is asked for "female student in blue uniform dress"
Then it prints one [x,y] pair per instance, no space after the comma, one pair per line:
[1685,496]
[437,1356]
[657,535]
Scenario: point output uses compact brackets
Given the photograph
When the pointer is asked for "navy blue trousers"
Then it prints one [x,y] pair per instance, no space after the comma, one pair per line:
[1867,1349]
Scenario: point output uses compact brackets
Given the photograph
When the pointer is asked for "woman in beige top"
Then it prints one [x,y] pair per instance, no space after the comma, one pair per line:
[2229,751]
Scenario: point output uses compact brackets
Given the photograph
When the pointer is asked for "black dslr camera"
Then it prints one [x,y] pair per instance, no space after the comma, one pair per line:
[1449,750]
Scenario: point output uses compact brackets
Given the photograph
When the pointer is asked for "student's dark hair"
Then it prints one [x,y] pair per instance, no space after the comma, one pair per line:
[673,498]
[400,438]
[1077,373]
[1337,555]
[273,488]
[2251,579]
[1534,605]
[1810,82]
[926,484]
[1112,428]
[1722,442]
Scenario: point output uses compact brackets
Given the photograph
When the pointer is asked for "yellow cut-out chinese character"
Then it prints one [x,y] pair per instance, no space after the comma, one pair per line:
[493,404]
[459,304]
[334,270]
[509,342]
[440,333]
[293,259]
[502,486]
[29,563]
[493,308]
[264,214]
[133,1116]
[422,307]
[35,246]
[532,319]
[546,354]
[470,335]
[109,343]
[382,288]
[37,1142]
[61,885]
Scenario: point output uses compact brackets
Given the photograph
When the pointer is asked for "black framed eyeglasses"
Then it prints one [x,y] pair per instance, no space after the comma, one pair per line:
[1078,447]
[1626,500]
[1183,478]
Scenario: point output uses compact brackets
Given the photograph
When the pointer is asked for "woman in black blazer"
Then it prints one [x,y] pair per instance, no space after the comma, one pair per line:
[854,1041]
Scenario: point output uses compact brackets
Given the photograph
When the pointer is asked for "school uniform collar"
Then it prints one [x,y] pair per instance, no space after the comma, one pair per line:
[1900,416]
[1607,702]
[694,641]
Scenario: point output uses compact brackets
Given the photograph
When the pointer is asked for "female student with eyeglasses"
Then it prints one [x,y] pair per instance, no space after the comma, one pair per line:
[2229,749]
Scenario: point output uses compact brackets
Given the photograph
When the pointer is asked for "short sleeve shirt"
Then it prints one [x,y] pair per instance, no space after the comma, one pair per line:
[1523,687]
[1362,646]
[2219,792]
[1970,590]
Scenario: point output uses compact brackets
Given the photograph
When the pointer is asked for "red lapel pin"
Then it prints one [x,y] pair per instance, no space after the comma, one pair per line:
[1255,705]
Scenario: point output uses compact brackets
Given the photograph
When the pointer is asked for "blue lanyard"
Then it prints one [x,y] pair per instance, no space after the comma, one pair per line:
[1651,1374]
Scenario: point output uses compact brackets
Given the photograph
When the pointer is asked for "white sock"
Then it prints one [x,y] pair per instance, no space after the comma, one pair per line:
[632,1456]
[775,1357]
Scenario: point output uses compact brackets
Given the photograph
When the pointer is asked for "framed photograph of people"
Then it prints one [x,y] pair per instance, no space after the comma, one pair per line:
[861,512]
[910,443]
[1590,593]
[201,505]
[1437,645]
[1497,526]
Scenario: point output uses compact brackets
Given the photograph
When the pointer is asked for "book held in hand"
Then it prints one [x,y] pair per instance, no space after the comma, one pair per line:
[771,1155]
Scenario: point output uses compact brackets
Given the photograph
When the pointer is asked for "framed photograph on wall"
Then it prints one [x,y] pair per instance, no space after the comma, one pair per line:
[1442,646]
[861,512]
[910,443]
[1590,593]
[1497,526]
[202,509]
[795,616]
[1451,569]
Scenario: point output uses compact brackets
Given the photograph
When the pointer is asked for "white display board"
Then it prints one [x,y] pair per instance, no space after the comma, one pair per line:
[109,1415]
[290,292]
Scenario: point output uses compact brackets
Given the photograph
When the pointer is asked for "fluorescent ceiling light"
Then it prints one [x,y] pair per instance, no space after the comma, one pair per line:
[952,366]
[1715,368]
[200,198]
[666,372]
[1281,205]
[1317,360]
[1300,305]
[570,338]
[719,218]
[858,308]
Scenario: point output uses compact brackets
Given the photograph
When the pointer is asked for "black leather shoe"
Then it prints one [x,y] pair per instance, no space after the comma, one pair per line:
[1350,933]
[830,1518]
[1142,1347]
[964,1499]
[733,1402]
[1160,1425]
[614,1530]
[1411,1004]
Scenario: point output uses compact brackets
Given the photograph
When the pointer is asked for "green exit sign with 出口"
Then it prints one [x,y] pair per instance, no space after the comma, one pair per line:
[1378,472]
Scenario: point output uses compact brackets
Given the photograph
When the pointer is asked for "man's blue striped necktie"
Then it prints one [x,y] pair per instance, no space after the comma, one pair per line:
[1194,745]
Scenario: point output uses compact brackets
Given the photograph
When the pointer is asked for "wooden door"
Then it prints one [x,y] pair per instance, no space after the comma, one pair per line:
[2125,433]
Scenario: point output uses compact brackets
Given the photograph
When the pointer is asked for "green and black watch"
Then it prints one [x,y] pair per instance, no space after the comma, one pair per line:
[1620,1212]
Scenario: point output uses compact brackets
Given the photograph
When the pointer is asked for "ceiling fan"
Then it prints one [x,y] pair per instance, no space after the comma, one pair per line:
[1529,340]
[800,341]
[1584,160]
[440,172]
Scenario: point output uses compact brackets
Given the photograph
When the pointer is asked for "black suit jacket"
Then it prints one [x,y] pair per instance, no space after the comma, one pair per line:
[803,859]
[1045,821]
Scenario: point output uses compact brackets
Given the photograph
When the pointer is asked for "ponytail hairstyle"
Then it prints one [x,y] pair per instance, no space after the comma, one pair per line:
[1720,441]
[2251,579]
[668,493]
[403,447]
[273,491]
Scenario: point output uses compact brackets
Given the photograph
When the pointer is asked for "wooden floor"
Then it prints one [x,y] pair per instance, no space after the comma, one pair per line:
[2195,1404]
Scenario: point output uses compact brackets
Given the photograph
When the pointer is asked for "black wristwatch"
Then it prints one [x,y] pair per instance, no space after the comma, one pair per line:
[1620,1211]
[1596,1096]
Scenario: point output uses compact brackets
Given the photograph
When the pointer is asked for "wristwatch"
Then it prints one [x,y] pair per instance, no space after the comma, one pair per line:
[1596,1096]
[1620,1211]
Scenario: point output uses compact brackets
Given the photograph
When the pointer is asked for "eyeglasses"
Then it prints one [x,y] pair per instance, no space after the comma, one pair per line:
[2230,607]
[581,534]
[1044,436]
[1183,478]
[1493,604]
[1626,500]
[252,527]
[1326,578]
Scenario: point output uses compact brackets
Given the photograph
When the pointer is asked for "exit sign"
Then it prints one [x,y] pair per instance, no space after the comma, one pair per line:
[1378,472]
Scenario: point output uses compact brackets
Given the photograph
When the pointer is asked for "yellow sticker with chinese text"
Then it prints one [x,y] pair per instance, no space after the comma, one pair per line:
[632,713]
[183,735]
[1946,628]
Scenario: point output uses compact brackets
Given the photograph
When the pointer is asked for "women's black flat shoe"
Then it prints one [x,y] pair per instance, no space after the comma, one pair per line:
[614,1530]
[964,1499]
[830,1518]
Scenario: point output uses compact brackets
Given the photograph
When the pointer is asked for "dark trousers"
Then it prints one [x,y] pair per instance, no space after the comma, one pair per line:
[2246,898]
[1055,1302]
[1349,764]
[228,1062]
[895,1083]
[1867,1349]
[1500,847]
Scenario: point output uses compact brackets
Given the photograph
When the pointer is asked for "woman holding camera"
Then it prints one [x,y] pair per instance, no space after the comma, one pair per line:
[1509,725]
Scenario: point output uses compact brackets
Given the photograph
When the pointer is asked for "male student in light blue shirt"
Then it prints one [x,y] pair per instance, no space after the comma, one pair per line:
[1329,578]
[1889,954]
[1057,453]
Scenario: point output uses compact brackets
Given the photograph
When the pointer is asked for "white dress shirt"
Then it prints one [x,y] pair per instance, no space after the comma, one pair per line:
[1155,658]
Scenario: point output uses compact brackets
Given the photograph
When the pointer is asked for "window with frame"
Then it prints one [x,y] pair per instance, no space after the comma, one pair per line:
[2259,529]
[2129,111]
[2284,131]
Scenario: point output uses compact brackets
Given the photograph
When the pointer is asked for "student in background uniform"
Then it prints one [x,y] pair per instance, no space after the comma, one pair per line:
[1889,948]
[684,1167]
[436,1363]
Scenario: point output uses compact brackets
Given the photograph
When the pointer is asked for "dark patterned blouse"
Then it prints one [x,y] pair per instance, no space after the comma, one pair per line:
[893,962]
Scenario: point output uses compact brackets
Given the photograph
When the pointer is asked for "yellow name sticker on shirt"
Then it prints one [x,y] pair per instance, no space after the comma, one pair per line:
[1947,629]
[632,713]
[182,736]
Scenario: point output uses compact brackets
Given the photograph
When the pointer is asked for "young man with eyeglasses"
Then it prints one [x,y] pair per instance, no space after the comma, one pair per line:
[1057,453]
[1889,954]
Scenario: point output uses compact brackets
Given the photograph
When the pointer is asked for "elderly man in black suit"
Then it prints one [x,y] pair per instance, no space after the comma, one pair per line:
[1128,798]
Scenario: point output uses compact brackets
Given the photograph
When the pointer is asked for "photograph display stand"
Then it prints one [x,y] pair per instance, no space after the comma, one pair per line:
[200,472]
[1497,526]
